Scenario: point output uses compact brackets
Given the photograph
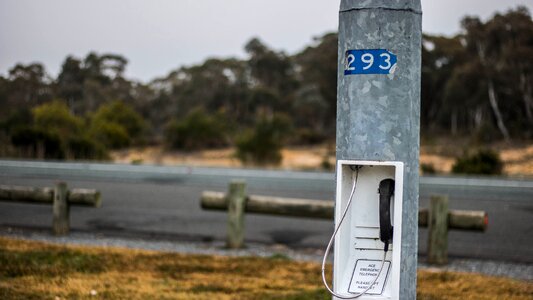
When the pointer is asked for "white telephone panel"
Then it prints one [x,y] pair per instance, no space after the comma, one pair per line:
[358,251]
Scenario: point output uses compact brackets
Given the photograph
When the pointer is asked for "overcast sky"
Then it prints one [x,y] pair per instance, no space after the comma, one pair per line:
[160,35]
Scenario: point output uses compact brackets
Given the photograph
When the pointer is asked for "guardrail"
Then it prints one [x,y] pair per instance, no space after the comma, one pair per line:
[60,197]
[437,218]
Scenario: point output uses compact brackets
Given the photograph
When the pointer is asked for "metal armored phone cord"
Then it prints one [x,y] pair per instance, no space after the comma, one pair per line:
[331,243]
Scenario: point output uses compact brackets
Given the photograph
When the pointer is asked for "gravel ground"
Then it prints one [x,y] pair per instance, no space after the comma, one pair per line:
[489,267]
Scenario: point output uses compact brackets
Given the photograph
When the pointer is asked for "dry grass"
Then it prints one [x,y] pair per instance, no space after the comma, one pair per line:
[293,158]
[34,270]
[518,159]
[453,285]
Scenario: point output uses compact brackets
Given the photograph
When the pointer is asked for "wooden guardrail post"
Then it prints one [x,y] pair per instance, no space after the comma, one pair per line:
[61,209]
[24,194]
[60,197]
[475,220]
[236,202]
[438,230]
[438,217]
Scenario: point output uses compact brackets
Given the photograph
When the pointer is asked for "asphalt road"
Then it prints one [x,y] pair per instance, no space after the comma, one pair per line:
[145,201]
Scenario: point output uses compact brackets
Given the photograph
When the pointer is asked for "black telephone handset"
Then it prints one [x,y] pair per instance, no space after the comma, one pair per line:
[386,190]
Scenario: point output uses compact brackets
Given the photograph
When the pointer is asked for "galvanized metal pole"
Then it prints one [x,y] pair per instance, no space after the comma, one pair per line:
[378,104]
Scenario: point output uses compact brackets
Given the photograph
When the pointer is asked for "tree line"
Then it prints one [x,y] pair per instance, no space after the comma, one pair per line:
[478,83]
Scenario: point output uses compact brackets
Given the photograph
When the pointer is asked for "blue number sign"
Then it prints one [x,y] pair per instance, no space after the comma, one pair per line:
[369,61]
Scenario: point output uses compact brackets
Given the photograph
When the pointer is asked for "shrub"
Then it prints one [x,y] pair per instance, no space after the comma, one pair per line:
[123,115]
[326,164]
[38,142]
[484,162]
[52,131]
[110,134]
[428,168]
[56,133]
[262,144]
[85,148]
[18,118]
[55,116]
[196,131]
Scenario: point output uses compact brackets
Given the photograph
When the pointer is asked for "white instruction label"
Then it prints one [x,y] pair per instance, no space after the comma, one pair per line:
[365,272]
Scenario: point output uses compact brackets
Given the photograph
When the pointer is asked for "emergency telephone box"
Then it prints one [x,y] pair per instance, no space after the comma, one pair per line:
[359,253]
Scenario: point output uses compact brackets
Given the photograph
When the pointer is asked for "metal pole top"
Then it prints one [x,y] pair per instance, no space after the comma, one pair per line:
[410,5]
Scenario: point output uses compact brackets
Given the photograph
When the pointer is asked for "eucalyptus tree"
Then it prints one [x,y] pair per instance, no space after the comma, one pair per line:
[316,68]
[28,86]
[501,54]
[97,79]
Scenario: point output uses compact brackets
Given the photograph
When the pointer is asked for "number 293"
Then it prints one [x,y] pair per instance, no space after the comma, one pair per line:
[371,61]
